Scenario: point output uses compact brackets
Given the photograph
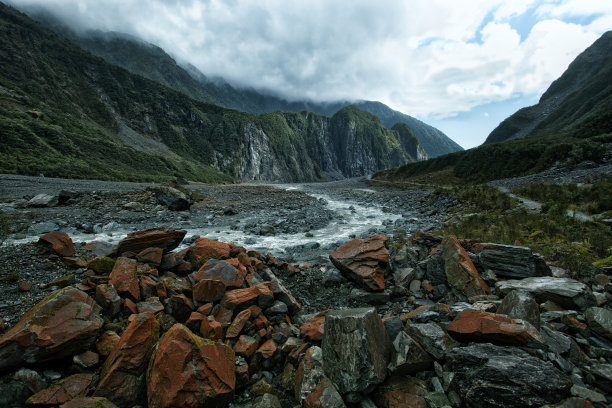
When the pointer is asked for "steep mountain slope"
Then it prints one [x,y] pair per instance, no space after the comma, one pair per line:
[583,93]
[65,112]
[152,62]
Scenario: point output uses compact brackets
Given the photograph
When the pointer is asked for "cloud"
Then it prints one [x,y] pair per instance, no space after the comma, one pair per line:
[434,57]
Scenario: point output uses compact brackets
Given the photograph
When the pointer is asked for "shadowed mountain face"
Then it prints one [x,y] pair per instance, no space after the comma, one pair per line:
[152,62]
[582,94]
[65,112]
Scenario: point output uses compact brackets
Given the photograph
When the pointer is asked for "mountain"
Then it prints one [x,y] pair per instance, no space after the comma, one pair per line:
[152,62]
[571,124]
[65,112]
[582,94]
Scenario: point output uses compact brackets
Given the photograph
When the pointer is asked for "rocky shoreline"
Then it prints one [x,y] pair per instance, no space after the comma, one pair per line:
[389,318]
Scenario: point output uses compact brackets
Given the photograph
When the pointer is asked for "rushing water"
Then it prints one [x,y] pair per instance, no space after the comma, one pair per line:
[350,220]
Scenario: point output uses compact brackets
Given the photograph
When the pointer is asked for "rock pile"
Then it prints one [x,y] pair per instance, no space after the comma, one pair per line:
[213,325]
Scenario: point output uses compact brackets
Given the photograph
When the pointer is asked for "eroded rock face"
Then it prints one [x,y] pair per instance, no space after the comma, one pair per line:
[565,292]
[122,379]
[494,376]
[356,349]
[64,323]
[461,273]
[472,325]
[164,238]
[364,261]
[189,371]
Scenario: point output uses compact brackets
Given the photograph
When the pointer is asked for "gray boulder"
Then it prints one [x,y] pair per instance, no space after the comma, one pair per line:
[43,200]
[521,305]
[600,321]
[511,261]
[565,292]
[493,376]
[408,357]
[356,349]
[431,337]
[172,198]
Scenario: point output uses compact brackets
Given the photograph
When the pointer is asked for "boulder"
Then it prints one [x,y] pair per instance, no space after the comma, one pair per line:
[221,271]
[108,298]
[460,271]
[313,328]
[324,395]
[165,238]
[238,324]
[308,377]
[189,371]
[510,261]
[122,379]
[124,278]
[364,261]
[180,307]
[246,346]
[565,292]
[571,403]
[67,389]
[401,392]
[43,200]
[356,349]
[484,327]
[408,357]
[600,321]
[151,256]
[239,299]
[64,323]
[57,243]
[521,305]
[205,249]
[172,198]
[494,376]
[107,343]
[208,290]
[431,337]
[281,292]
[89,402]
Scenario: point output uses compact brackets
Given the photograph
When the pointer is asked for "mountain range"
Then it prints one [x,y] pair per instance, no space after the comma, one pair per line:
[66,112]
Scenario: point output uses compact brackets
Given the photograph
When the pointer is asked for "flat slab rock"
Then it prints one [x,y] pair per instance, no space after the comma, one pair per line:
[565,292]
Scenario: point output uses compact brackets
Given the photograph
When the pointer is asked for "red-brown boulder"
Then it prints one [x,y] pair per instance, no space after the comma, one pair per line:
[89,402]
[189,371]
[205,249]
[460,270]
[165,238]
[313,328]
[221,271]
[64,323]
[239,299]
[107,343]
[364,261]
[122,379]
[125,278]
[484,327]
[151,256]
[238,324]
[75,386]
[208,290]
[401,392]
[246,346]
[57,243]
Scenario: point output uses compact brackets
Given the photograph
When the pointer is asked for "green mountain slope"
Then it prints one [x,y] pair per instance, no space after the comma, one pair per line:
[152,62]
[581,94]
[65,112]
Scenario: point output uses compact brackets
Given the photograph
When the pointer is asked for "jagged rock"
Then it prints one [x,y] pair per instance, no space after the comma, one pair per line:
[205,249]
[461,273]
[164,238]
[43,200]
[172,198]
[431,337]
[107,343]
[108,298]
[394,326]
[151,256]
[483,327]
[189,371]
[313,328]
[222,271]
[64,323]
[510,261]
[566,292]
[208,290]
[101,265]
[180,307]
[86,360]
[324,395]
[67,389]
[495,376]
[401,392]
[556,342]
[57,243]
[267,401]
[408,357]
[246,346]
[603,376]
[356,349]
[403,276]
[238,324]
[239,299]
[89,402]
[584,392]
[364,261]
[124,278]
[281,292]
[571,403]
[600,321]
[521,305]
[308,377]
[122,379]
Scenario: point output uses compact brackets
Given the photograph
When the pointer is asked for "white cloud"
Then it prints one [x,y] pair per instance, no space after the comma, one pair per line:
[426,57]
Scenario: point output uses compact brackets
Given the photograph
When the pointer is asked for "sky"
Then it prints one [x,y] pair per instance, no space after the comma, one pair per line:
[459,65]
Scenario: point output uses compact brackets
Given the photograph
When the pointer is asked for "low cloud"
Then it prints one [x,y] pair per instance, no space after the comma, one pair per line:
[434,58]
